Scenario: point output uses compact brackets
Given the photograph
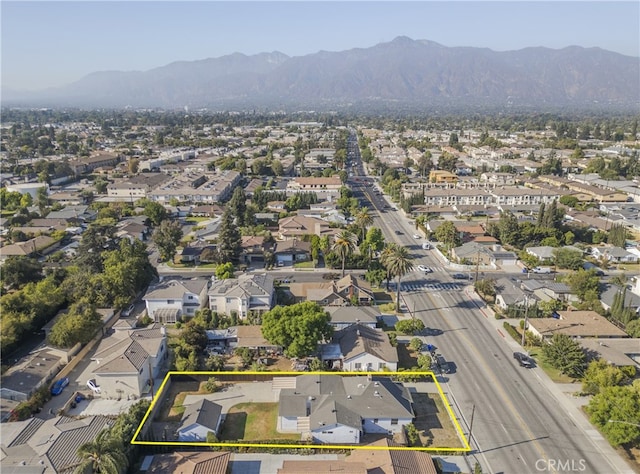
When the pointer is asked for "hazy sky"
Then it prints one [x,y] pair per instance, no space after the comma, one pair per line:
[53,43]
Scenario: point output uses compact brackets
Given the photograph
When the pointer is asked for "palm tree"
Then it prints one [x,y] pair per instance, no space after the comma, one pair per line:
[104,455]
[363,220]
[396,260]
[344,245]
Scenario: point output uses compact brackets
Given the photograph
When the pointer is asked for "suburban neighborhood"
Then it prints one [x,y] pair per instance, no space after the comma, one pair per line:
[311,247]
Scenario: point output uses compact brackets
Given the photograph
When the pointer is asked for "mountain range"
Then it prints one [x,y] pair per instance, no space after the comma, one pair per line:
[400,73]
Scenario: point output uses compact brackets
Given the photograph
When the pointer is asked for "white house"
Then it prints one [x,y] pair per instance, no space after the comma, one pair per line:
[614,254]
[171,300]
[360,347]
[345,316]
[248,292]
[333,409]
[127,361]
[199,419]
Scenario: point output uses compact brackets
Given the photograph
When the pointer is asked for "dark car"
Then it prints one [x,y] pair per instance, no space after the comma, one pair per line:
[59,386]
[399,232]
[441,364]
[523,359]
[459,276]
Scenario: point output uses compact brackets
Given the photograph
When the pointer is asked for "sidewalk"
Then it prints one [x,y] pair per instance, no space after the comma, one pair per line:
[561,392]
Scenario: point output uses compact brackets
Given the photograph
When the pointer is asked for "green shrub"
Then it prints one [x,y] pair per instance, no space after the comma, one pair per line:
[512,331]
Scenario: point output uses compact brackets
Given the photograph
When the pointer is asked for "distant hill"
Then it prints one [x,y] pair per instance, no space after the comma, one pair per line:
[415,73]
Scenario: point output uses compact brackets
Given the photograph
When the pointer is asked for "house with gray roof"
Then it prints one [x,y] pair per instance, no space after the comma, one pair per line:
[126,362]
[508,294]
[345,316]
[39,446]
[249,292]
[172,300]
[334,409]
[360,348]
[620,352]
[614,254]
[199,419]
[545,290]
[608,293]
[24,378]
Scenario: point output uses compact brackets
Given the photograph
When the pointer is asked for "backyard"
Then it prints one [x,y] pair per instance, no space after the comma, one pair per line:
[253,422]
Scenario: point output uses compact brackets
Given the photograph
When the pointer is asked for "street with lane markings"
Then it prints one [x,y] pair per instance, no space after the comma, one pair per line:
[516,420]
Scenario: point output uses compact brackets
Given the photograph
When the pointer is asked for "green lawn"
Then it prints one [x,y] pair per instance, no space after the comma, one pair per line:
[253,422]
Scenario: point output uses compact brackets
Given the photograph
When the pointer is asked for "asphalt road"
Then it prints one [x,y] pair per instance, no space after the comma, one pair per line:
[516,424]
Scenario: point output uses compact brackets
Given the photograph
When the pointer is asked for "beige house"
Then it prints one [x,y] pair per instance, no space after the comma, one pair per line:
[127,361]
[576,324]
[325,188]
[334,293]
[295,227]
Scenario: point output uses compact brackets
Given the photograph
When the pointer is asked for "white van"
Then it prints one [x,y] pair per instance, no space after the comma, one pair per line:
[541,270]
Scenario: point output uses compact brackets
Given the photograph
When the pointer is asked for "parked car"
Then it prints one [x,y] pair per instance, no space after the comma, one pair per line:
[523,359]
[129,310]
[93,386]
[459,276]
[399,232]
[58,386]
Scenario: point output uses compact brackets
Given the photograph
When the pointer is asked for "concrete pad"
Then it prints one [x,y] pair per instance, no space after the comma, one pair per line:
[241,392]
[102,407]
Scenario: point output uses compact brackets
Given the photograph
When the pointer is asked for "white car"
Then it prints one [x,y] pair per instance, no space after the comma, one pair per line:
[129,310]
[423,269]
[416,236]
[92,385]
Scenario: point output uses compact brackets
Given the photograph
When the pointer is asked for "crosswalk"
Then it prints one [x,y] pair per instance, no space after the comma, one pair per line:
[418,286]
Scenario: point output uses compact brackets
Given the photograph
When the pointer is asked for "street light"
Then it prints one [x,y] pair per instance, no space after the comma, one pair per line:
[637,425]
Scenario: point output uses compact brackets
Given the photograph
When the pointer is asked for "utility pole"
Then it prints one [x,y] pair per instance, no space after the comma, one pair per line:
[477,263]
[473,412]
[526,310]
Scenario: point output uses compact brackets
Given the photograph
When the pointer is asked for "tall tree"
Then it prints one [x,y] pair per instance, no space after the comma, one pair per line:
[363,220]
[425,163]
[344,246]
[167,237]
[238,206]
[617,235]
[19,270]
[297,328]
[79,325]
[447,234]
[155,212]
[397,261]
[565,354]
[616,411]
[228,238]
[103,455]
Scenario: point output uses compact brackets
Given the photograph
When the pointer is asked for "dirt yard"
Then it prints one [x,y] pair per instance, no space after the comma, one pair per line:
[433,422]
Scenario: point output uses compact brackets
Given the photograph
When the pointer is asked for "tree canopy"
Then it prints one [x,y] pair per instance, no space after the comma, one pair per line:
[565,354]
[297,328]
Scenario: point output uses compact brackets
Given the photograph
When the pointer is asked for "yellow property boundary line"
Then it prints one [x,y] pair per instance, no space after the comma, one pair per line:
[159,394]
